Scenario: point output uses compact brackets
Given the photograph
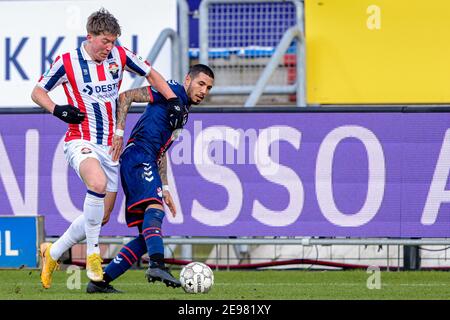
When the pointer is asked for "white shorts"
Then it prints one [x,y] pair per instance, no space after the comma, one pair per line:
[78,150]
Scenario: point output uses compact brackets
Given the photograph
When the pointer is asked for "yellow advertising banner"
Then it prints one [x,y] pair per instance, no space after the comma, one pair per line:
[377,51]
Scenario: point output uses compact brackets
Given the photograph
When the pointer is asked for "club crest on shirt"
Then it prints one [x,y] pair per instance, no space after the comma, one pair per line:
[113,68]
[86,150]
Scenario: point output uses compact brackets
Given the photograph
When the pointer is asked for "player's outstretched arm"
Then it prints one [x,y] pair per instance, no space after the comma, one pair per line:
[66,113]
[126,98]
[42,99]
[158,82]
[174,105]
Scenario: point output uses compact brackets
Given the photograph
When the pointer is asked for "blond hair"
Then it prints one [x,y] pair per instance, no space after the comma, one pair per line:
[104,22]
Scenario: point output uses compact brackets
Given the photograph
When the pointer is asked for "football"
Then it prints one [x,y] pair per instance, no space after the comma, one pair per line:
[196,277]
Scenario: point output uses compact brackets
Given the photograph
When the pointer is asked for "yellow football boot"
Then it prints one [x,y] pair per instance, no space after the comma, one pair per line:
[48,265]
[94,267]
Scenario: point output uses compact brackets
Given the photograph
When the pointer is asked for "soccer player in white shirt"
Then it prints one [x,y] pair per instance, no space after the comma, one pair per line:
[91,77]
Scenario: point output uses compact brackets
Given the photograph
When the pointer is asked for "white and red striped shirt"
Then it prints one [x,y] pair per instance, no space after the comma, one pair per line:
[93,88]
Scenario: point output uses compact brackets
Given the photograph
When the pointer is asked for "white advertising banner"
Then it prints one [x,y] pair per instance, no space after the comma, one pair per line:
[34,33]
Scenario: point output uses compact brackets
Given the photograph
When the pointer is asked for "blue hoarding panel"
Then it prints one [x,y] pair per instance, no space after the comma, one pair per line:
[18,242]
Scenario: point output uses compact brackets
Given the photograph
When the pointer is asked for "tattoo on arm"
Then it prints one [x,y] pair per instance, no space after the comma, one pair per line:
[163,170]
[125,100]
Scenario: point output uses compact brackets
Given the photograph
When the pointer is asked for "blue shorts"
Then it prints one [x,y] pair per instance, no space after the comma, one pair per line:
[141,183]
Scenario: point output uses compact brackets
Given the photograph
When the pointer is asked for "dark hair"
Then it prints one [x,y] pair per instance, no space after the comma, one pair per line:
[196,69]
[102,21]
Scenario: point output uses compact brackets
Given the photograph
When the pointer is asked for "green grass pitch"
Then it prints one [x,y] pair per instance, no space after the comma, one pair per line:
[241,285]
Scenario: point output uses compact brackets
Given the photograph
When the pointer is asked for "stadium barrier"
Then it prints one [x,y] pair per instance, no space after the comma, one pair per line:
[231,259]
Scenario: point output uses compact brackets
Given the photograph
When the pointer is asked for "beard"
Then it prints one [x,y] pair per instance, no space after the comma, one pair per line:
[189,93]
[193,102]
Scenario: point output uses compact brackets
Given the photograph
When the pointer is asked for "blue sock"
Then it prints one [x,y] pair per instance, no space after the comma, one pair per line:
[151,230]
[128,255]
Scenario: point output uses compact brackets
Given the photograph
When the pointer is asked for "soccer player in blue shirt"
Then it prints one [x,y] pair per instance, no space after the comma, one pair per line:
[140,166]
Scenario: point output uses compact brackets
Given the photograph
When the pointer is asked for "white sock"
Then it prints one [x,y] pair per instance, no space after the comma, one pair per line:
[74,234]
[94,208]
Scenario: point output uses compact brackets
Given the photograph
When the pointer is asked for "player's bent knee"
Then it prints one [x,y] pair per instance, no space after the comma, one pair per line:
[155,217]
[93,175]
[97,186]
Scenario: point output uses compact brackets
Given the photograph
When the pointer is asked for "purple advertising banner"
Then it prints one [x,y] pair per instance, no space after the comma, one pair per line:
[258,174]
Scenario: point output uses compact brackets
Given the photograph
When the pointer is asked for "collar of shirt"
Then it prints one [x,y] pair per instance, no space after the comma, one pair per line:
[184,97]
[86,55]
